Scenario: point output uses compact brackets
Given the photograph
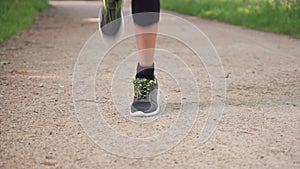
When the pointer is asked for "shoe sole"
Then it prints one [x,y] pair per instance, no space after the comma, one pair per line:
[143,114]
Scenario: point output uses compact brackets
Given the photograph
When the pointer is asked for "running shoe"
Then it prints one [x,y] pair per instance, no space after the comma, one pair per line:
[146,97]
[111,17]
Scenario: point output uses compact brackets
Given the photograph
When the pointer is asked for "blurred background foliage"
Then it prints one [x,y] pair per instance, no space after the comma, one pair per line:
[16,15]
[278,16]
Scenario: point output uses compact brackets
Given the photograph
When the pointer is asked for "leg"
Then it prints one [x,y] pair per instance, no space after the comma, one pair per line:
[146,17]
[146,95]
[146,43]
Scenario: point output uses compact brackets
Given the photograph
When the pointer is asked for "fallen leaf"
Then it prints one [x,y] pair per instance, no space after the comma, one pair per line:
[48,163]
[49,157]
[18,71]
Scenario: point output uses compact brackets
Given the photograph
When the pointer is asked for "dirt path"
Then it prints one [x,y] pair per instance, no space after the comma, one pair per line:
[39,126]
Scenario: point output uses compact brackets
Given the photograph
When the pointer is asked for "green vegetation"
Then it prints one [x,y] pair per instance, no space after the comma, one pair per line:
[279,16]
[16,15]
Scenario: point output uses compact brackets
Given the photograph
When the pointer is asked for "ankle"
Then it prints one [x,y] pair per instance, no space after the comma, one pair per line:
[145,72]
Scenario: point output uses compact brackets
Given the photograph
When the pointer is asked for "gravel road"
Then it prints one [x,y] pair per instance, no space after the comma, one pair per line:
[39,127]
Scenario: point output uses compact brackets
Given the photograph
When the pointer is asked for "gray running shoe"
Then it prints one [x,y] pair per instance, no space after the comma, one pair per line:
[111,17]
[146,98]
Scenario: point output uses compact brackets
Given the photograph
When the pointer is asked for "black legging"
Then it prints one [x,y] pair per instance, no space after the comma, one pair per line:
[145,12]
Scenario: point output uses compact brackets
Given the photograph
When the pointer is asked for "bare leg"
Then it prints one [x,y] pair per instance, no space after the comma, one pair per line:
[146,40]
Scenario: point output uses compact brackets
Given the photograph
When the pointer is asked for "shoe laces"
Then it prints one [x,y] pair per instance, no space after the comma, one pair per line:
[142,87]
[112,4]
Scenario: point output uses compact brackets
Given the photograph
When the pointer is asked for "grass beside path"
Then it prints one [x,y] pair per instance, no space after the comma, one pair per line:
[16,15]
[278,16]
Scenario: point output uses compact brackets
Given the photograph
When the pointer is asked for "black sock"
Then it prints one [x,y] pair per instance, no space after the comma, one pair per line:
[145,72]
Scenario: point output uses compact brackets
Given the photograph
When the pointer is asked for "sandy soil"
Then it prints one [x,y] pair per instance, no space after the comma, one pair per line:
[39,126]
